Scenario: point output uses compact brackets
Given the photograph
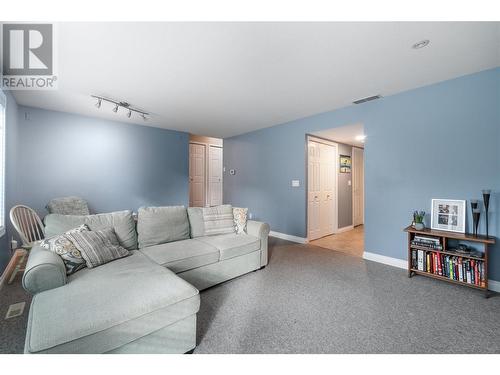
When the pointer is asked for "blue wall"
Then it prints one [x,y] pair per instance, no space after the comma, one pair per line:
[439,141]
[114,166]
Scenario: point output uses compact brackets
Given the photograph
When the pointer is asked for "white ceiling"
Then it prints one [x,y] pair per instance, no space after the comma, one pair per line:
[224,79]
[344,134]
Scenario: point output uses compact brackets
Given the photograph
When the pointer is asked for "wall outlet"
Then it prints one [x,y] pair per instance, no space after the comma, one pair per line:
[295,183]
[250,215]
[232,172]
[349,183]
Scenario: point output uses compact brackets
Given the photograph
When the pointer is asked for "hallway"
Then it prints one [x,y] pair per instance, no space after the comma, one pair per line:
[350,242]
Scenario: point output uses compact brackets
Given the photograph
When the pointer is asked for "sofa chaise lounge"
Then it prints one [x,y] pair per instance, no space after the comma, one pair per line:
[143,303]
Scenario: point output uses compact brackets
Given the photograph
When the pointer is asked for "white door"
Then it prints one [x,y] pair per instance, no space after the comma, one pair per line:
[321,198]
[197,168]
[358,183]
[327,183]
[314,191]
[215,176]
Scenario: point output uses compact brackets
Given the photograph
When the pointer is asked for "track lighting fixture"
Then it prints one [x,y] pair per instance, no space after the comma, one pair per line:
[119,104]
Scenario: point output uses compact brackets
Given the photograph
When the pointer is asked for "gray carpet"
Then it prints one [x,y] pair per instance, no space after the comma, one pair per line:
[12,331]
[313,300]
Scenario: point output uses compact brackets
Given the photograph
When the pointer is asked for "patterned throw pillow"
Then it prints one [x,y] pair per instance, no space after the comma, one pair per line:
[240,219]
[98,247]
[62,246]
[218,220]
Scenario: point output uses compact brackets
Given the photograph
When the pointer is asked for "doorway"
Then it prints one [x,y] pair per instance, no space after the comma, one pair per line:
[205,171]
[321,188]
[344,167]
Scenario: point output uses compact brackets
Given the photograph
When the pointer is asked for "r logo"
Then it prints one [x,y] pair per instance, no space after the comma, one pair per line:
[27,49]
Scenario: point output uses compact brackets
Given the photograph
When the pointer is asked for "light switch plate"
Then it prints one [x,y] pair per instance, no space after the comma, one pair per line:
[295,183]
[349,183]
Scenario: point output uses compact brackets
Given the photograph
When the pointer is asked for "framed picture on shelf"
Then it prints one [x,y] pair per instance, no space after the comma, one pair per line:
[345,163]
[448,214]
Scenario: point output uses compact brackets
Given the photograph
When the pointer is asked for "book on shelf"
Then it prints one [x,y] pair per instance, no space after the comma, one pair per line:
[420,260]
[430,245]
[457,268]
[427,239]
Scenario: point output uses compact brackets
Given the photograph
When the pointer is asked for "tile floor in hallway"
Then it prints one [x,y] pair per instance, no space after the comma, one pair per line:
[350,242]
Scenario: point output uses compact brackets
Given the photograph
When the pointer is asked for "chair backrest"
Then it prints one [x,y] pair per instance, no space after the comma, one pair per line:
[27,224]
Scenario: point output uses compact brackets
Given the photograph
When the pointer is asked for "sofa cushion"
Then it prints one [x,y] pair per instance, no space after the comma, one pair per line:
[121,221]
[196,223]
[232,245]
[103,308]
[157,225]
[184,255]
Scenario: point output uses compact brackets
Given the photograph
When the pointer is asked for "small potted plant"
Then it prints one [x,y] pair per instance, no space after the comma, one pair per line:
[418,220]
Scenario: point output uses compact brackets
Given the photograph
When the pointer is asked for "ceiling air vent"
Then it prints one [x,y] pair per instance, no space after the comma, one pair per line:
[370,98]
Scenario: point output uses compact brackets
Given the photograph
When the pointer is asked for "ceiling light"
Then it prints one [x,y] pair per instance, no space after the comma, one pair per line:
[360,138]
[117,104]
[421,44]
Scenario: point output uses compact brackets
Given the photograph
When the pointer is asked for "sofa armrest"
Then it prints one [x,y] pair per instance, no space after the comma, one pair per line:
[260,230]
[44,270]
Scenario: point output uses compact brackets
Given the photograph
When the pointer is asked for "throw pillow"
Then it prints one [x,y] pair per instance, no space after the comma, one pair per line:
[240,219]
[218,220]
[98,247]
[62,246]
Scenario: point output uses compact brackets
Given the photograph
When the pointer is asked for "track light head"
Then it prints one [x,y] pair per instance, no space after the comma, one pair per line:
[129,113]
[115,109]
[99,102]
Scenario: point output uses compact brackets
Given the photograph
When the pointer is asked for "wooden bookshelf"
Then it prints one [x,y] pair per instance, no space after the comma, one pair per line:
[444,237]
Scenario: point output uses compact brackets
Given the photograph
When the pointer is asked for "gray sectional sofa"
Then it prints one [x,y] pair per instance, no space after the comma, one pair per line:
[146,302]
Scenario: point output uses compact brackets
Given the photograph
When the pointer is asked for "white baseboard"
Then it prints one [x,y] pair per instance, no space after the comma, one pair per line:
[493,285]
[345,229]
[288,237]
[395,262]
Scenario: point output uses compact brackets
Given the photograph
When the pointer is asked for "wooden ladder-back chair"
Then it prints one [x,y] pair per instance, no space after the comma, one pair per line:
[27,224]
[30,229]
